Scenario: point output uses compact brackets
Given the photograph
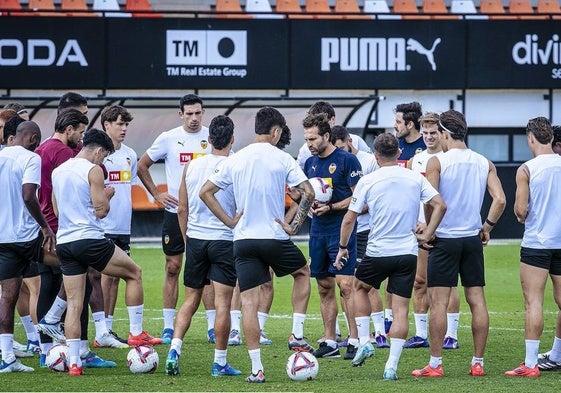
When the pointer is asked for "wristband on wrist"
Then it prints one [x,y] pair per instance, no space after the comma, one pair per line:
[342,247]
[490,223]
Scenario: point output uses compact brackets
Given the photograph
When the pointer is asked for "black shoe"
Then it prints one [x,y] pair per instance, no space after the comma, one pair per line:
[351,352]
[325,351]
[111,332]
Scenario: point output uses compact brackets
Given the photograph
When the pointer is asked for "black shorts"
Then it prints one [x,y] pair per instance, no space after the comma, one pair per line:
[254,257]
[75,257]
[207,260]
[15,258]
[121,241]
[32,270]
[361,242]
[400,269]
[548,259]
[450,257]
[172,239]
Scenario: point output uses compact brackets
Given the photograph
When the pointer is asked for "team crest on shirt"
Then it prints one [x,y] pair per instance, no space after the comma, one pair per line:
[129,161]
[204,144]
[166,239]
[332,168]
[419,150]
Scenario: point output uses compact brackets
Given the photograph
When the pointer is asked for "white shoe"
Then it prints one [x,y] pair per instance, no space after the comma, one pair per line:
[235,338]
[14,367]
[20,346]
[108,341]
[22,354]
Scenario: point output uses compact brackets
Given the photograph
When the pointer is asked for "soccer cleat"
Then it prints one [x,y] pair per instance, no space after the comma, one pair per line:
[108,341]
[429,372]
[381,341]
[344,343]
[22,354]
[143,339]
[42,360]
[91,360]
[416,342]
[363,352]
[172,363]
[546,364]
[476,370]
[75,371]
[210,336]
[326,352]
[321,340]
[116,336]
[387,325]
[338,337]
[256,378]
[167,335]
[389,375]
[263,339]
[33,347]
[234,338]
[450,343]
[351,352]
[299,344]
[14,367]
[52,329]
[226,370]
[19,346]
[523,371]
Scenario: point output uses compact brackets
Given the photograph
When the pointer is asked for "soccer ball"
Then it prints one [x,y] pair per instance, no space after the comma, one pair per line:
[143,359]
[302,366]
[57,358]
[323,190]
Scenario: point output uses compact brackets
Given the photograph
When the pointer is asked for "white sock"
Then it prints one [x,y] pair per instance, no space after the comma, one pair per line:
[556,350]
[74,351]
[346,322]
[298,324]
[236,320]
[169,314]
[453,322]
[55,312]
[30,328]
[476,360]
[421,325]
[378,322]
[435,361]
[262,317]
[84,350]
[7,347]
[176,344]
[220,357]
[255,356]
[532,348]
[354,342]
[389,314]
[396,346]
[135,319]
[363,328]
[45,347]
[210,317]
[100,325]
[109,322]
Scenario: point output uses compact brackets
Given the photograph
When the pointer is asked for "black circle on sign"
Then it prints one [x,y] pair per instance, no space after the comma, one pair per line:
[226,47]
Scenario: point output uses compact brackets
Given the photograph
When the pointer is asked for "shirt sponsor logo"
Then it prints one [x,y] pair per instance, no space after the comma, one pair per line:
[119,176]
[184,158]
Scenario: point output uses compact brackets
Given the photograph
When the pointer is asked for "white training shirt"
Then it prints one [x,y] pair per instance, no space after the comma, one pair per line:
[76,216]
[392,194]
[463,181]
[304,152]
[543,226]
[121,167]
[202,223]
[18,166]
[369,165]
[178,147]
[259,173]
[419,165]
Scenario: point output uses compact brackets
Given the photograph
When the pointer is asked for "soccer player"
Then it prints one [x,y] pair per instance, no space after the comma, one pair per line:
[392,243]
[24,230]
[408,130]
[341,170]
[418,163]
[209,249]
[177,147]
[121,169]
[78,185]
[538,186]
[461,176]
[259,174]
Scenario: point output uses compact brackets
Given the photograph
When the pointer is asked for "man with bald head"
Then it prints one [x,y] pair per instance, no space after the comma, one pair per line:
[24,231]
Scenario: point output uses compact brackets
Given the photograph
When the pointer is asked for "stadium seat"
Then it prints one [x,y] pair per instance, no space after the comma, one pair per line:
[260,6]
[466,7]
[76,8]
[224,7]
[438,9]
[140,200]
[550,7]
[109,5]
[345,7]
[290,7]
[141,9]
[43,5]
[407,7]
[11,5]
[380,8]
[524,8]
[321,7]
[493,8]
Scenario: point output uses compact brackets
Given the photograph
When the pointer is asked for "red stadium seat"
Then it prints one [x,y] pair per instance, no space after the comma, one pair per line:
[349,6]
[437,9]
[139,8]
[76,8]
[11,5]
[550,7]
[230,9]
[493,8]
[525,8]
[292,7]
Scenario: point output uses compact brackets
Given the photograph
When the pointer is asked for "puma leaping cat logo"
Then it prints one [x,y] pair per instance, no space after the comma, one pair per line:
[415,46]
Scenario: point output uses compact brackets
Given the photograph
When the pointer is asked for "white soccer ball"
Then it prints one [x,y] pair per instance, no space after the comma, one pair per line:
[302,366]
[143,359]
[323,190]
[57,358]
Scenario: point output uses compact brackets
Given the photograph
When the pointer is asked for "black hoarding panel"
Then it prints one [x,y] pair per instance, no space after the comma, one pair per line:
[51,53]
[197,53]
[507,54]
[377,54]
